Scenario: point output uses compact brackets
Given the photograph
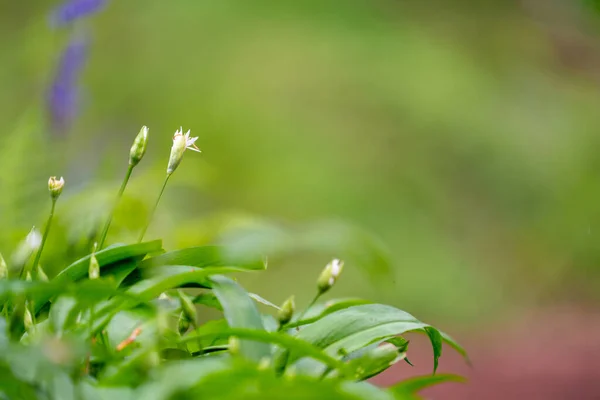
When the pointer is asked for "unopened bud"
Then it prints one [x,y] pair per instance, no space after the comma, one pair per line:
[287,311]
[290,373]
[183,324]
[33,240]
[138,149]
[3,268]
[177,150]
[329,275]
[264,364]
[27,319]
[28,277]
[234,345]
[387,352]
[94,268]
[41,275]
[26,248]
[376,360]
[55,186]
[187,307]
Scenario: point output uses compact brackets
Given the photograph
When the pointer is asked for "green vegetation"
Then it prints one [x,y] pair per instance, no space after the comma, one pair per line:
[122,323]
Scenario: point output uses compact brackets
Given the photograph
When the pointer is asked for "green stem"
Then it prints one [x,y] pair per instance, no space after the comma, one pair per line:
[33,266]
[325,373]
[312,303]
[143,233]
[112,211]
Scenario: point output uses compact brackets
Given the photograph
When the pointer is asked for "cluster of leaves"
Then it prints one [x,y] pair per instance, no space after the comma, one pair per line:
[134,333]
[122,322]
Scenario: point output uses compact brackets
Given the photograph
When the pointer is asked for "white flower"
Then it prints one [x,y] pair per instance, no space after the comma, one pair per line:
[181,142]
[34,239]
[189,142]
[336,268]
[329,275]
[55,186]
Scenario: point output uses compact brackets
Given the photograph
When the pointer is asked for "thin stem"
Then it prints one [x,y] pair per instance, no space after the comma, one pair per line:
[143,233]
[312,303]
[112,211]
[33,266]
[325,373]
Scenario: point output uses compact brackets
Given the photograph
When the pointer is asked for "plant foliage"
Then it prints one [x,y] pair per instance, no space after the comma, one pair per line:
[122,323]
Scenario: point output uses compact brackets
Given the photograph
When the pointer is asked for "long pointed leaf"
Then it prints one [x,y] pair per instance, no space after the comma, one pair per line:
[240,312]
[205,256]
[353,328]
[290,342]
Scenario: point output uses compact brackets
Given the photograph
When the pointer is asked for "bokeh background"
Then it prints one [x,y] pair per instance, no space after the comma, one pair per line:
[449,151]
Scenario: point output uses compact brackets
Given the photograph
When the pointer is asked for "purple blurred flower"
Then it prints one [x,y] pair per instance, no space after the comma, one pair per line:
[63,96]
[72,10]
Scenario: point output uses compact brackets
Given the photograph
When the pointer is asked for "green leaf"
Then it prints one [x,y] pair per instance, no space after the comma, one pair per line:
[452,343]
[436,343]
[177,376]
[262,300]
[300,347]
[60,311]
[106,257]
[367,366]
[167,278]
[130,370]
[209,300]
[120,270]
[367,391]
[355,327]
[208,334]
[399,342]
[245,382]
[320,310]
[412,385]
[352,328]
[173,277]
[14,388]
[205,256]
[240,312]
[92,391]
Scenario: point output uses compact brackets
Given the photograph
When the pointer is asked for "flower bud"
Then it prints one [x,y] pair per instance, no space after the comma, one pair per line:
[26,248]
[3,268]
[183,324]
[264,364]
[329,275]
[33,240]
[94,268]
[287,311]
[138,149]
[41,275]
[387,352]
[177,150]
[234,345]
[375,361]
[28,277]
[27,319]
[55,186]
[187,307]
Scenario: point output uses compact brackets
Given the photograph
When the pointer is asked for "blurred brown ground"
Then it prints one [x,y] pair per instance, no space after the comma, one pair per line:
[551,354]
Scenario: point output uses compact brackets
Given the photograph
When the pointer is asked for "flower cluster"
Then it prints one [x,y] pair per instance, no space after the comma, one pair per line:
[64,93]
[63,98]
[73,10]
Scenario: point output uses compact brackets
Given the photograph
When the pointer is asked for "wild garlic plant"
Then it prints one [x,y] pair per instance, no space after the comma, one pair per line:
[129,321]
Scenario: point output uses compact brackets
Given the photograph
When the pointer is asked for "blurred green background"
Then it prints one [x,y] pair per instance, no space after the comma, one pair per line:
[455,142]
